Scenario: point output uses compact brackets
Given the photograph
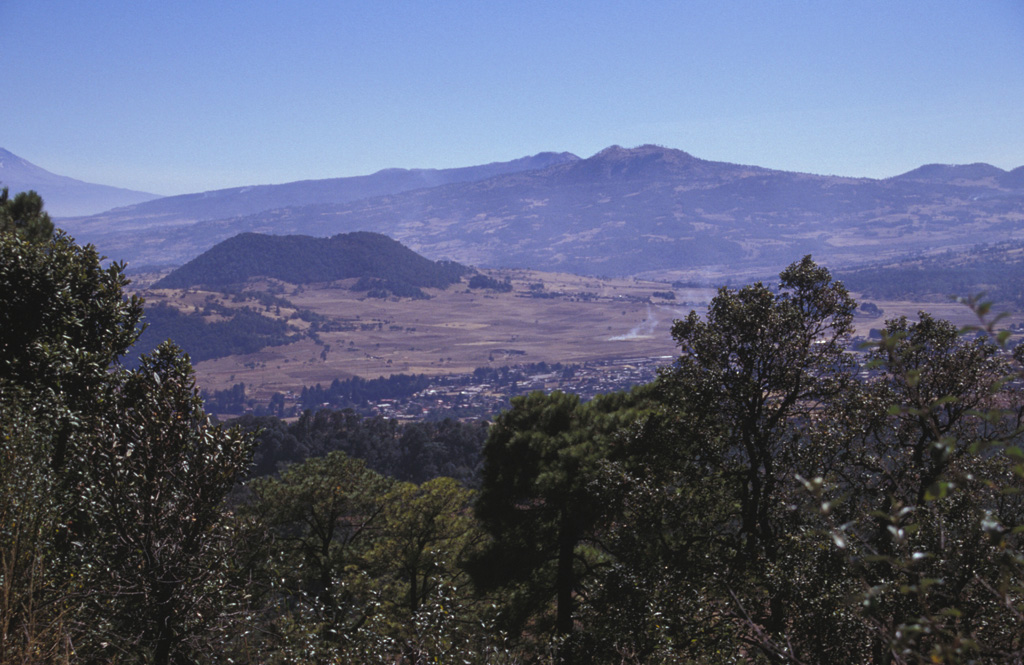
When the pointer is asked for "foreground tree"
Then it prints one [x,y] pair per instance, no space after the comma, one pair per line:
[713,478]
[926,503]
[150,549]
[535,504]
[113,481]
[321,516]
[762,361]
[538,502]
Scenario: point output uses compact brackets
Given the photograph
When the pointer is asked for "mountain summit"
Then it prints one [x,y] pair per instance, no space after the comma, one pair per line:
[647,211]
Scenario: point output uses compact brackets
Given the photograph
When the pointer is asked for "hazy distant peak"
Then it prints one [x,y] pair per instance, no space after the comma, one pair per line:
[1013,179]
[646,150]
[63,196]
[642,162]
[946,173]
[15,172]
[9,160]
[237,201]
[555,156]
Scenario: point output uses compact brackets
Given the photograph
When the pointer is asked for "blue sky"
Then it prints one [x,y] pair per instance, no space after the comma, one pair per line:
[174,97]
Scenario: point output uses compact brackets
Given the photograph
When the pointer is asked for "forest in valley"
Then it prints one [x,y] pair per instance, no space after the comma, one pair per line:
[772,497]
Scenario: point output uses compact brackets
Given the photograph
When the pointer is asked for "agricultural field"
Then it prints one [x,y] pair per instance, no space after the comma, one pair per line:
[546,317]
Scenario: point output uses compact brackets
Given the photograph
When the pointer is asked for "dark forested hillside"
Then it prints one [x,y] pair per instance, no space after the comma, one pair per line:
[304,259]
[241,331]
[997,270]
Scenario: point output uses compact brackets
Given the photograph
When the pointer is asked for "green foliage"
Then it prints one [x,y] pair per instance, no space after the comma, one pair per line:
[382,288]
[64,320]
[539,505]
[30,624]
[151,477]
[412,452]
[357,391]
[24,216]
[363,569]
[111,481]
[763,501]
[427,531]
[756,368]
[534,501]
[320,516]
[927,502]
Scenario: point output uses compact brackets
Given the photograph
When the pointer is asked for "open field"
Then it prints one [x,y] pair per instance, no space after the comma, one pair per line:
[547,317]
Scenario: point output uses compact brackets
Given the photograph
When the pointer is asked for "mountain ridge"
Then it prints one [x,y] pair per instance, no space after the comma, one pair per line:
[644,211]
[250,199]
[64,196]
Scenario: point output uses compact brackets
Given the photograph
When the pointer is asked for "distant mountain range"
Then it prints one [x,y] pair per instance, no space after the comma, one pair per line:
[64,197]
[237,201]
[642,211]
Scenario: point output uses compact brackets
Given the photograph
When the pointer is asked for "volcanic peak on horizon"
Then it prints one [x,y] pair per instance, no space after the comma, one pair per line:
[646,150]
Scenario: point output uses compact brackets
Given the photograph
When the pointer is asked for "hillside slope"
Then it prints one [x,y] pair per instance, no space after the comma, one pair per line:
[305,260]
[173,211]
[647,210]
[63,196]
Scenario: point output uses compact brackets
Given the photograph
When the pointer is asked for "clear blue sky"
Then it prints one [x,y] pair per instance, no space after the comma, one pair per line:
[174,97]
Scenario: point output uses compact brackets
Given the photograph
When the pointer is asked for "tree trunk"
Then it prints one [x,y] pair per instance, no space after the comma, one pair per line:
[565,581]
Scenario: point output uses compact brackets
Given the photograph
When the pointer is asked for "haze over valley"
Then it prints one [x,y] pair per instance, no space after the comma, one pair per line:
[602,228]
[651,211]
[548,333]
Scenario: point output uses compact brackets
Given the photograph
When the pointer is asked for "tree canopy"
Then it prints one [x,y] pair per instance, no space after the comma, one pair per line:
[24,215]
[113,481]
[773,497]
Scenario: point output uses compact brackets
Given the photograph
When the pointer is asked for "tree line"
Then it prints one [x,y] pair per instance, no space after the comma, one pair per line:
[770,498]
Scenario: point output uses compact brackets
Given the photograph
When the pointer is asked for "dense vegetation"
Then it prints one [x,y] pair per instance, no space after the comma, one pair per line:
[242,331]
[113,535]
[411,452]
[304,260]
[357,391]
[479,281]
[24,215]
[996,269]
[771,498]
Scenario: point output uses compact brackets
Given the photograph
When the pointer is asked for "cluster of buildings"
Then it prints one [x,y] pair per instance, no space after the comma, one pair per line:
[472,397]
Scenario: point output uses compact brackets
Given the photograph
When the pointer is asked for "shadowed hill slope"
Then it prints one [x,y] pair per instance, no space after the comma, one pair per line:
[304,260]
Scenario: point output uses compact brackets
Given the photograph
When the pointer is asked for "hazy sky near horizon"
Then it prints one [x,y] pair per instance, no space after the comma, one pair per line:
[190,96]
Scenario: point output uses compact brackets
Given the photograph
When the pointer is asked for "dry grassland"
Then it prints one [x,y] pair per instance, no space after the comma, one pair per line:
[458,330]
[454,332]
